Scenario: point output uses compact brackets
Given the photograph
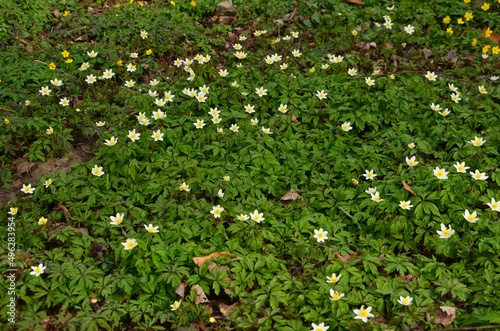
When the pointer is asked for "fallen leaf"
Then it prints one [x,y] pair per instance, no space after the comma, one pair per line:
[199,260]
[356,2]
[427,53]
[180,290]
[25,167]
[56,13]
[227,310]
[494,36]
[348,256]
[451,56]
[226,5]
[294,119]
[408,188]
[444,315]
[200,295]
[291,195]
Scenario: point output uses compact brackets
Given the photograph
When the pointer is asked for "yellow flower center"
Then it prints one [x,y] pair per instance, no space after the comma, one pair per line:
[335,296]
[479,175]
[369,81]
[494,205]
[363,313]
[97,171]
[440,173]
[133,135]
[111,142]
[333,278]
[405,300]
[130,244]
[471,218]
[376,198]
[405,204]
[320,235]
[460,167]
[445,232]
[217,211]
[345,126]
[151,229]
[38,270]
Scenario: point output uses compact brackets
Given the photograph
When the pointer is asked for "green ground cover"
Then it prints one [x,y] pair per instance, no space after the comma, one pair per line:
[258,165]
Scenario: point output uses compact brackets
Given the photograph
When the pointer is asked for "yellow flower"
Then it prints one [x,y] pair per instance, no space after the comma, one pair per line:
[447,20]
[6,121]
[119,62]
[449,31]
[65,53]
[495,50]
[486,49]
[460,21]
[468,16]
[173,3]
[466,1]
[485,6]
[149,51]
[488,33]
[69,61]
[193,3]
[66,12]
[354,32]
[140,3]
[117,5]
[52,66]
[474,42]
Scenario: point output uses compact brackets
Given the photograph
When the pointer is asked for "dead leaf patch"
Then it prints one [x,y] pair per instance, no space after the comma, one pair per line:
[408,188]
[494,36]
[180,290]
[348,256]
[356,2]
[199,260]
[227,310]
[200,295]
[444,315]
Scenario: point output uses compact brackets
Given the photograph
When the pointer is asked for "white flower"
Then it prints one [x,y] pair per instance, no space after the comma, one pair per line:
[92,54]
[234,128]
[440,173]
[117,220]
[409,29]
[445,233]
[50,130]
[363,314]
[435,107]
[37,271]
[199,124]
[216,119]
[144,34]
[129,244]
[444,112]
[108,74]
[242,217]
[152,93]
[431,76]
[151,229]
[346,126]
[159,102]
[257,217]
[176,305]
[111,142]
[157,135]
[376,197]
[405,301]
[352,72]
[28,189]
[261,91]
[320,235]
[452,87]
[249,109]
[478,141]
[154,82]
[64,102]
[254,121]
[223,73]
[388,24]
[455,97]
[129,83]
[482,90]
[267,130]
[184,187]
[411,161]
[220,194]
[97,171]
[325,66]
[319,327]
[405,205]
[461,167]
[134,135]
[410,145]
[214,112]
[493,78]
[84,66]
[371,190]
[333,279]
[369,81]
[471,218]
[216,211]
[321,94]
[283,108]
[131,67]
[47,183]
[494,205]
[296,53]
[485,56]
[169,96]
[45,90]
[369,174]
[479,175]
[335,295]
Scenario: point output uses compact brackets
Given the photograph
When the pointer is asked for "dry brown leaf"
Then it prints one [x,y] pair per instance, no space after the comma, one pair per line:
[199,260]
[356,2]
[294,119]
[494,36]
[227,310]
[226,5]
[180,290]
[444,315]
[348,256]
[408,188]
[56,13]
[291,195]
[200,295]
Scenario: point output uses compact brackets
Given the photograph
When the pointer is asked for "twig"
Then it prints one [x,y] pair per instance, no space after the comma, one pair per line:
[345,212]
